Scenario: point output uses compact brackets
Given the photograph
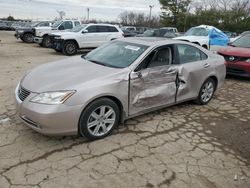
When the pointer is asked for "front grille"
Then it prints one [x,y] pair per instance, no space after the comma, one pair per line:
[23,93]
[234,59]
[235,70]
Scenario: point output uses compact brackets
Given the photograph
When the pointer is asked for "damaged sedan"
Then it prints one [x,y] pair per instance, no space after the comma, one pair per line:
[90,95]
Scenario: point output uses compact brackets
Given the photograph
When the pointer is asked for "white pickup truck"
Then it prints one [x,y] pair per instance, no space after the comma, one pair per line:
[42,33]
[84,36]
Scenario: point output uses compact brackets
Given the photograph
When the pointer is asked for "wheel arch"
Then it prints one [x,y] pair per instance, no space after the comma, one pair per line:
[114,99]
[72,40]
[215,80]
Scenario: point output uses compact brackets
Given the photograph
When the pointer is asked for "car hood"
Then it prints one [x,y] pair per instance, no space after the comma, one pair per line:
[67,74]
[235,51]
[63,33]
[192,38]
[24,28]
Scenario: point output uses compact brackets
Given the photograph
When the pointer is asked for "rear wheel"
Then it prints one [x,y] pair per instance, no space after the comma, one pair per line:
[28,38]
[206,92]
[70,48]
[46,41]
[99,119]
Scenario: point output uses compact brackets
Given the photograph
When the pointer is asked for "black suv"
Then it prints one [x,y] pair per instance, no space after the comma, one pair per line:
[26,34]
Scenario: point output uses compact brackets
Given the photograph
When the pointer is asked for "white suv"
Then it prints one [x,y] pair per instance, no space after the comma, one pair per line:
[84,36]
[42,33]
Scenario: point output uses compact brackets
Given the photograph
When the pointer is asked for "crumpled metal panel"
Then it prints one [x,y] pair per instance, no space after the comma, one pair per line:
[154,88]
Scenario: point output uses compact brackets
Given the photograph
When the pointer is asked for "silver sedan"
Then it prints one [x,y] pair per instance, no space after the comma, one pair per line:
[90,95]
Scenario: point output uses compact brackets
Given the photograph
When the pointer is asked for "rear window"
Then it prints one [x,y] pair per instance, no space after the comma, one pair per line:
[112,29]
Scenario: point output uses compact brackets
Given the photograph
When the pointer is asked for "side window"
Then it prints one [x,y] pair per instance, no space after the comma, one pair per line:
[77,23]
[102,29]
[162,57]
[188,54]
[92,29]
[112,29]
[157,58]
[44,24]
[67,25]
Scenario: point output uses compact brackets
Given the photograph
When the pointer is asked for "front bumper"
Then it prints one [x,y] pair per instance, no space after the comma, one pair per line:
[56,44]
[238,69]
[18,35]
[54,120]
[38,40]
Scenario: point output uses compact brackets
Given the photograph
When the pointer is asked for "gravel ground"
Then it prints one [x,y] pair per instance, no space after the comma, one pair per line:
[183,146]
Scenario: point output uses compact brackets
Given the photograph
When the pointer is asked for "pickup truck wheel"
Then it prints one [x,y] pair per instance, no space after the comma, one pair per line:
[70,48]
[46,41]
[28,38]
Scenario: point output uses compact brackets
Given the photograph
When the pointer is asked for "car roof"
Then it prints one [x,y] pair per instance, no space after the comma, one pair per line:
[151,41]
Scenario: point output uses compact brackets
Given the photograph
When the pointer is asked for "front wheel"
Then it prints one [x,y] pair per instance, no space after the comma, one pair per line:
[99,119]
[46,41]
[206,92]
[28,38]
[70,48]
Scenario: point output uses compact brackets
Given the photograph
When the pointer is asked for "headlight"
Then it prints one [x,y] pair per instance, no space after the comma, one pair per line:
[248,60]
[58,37]
[57,97]
[20,31]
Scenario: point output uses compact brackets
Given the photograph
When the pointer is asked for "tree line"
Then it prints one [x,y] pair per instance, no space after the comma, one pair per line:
[233,15]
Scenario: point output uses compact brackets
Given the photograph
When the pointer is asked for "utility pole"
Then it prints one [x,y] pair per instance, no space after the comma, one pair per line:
[88,14]
[150,14]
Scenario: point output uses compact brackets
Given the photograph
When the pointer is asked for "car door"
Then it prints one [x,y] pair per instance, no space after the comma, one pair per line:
[153,82]
[89,37]
[194,68]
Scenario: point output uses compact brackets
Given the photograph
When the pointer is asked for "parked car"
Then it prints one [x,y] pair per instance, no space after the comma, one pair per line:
[141,30]
[42,33]
[237,56]
[230,34]
[26,34]
[89,95]
[129,28]
[3,26]
[201,35]
[84,36]
[129,33]
[167,32]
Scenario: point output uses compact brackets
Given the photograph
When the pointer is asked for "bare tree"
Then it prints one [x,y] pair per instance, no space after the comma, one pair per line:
[61,13]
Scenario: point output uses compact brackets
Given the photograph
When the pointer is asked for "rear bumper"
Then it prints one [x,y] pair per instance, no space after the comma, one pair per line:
[238,69]
[38,40]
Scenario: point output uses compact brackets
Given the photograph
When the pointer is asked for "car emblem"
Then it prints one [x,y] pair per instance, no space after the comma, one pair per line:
[231,58]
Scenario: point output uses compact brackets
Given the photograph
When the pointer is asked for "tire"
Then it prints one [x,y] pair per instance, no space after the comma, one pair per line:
[46,41]
[70,48]
[206,92]
[99,119]
[28,38]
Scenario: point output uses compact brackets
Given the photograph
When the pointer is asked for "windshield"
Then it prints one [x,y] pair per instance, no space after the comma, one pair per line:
[243,42]
[197,31]
[149,33]
[117,54]
[77,28]
[34,24]
[57,23]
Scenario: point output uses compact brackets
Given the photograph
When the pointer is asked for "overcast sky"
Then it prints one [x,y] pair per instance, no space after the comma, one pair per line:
[99,9]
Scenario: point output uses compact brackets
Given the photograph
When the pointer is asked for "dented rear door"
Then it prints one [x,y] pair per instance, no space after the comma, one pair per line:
[151,88]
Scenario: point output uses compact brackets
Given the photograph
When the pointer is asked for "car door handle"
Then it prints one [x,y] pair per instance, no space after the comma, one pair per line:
[206,65]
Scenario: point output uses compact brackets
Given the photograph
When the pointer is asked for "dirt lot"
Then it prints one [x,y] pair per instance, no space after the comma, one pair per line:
[182,146]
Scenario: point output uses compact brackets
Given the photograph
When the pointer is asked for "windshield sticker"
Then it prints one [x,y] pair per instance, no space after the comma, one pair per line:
[134,48]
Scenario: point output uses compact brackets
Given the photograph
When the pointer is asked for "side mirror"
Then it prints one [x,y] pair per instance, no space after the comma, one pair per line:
[85,31]
[61,27]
